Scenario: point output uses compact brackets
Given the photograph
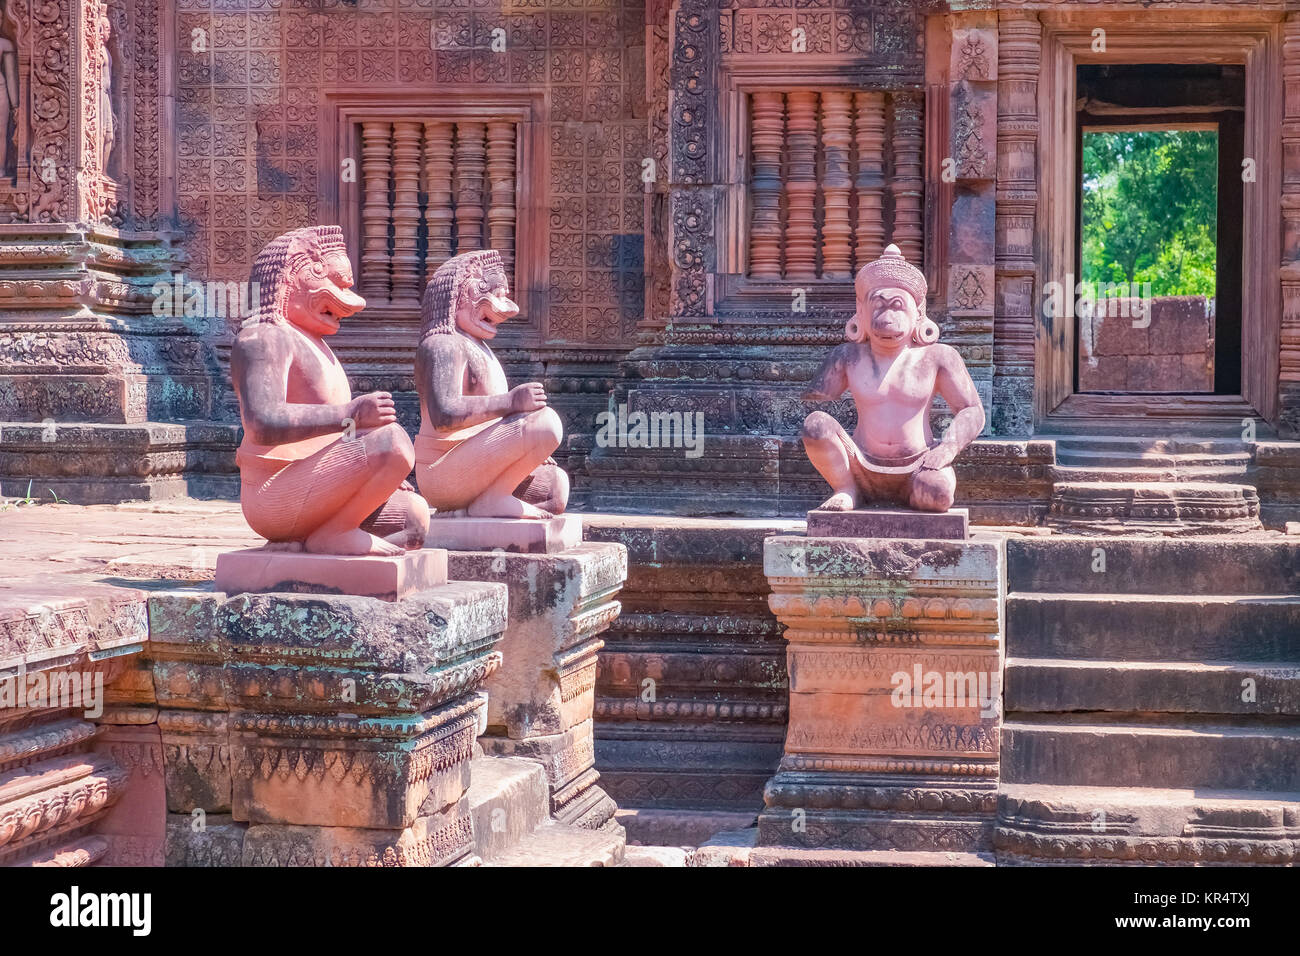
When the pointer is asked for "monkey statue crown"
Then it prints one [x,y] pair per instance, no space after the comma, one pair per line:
[891,271]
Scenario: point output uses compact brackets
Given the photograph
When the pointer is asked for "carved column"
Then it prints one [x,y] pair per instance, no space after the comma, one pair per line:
[908,183]
[470,165]
[376,165]
[801,187]
[501,201]
[869,177]
[406,210]
[837,249]
[970,154]
[1289,364]
[439,212]
[766,140]
[1019,39]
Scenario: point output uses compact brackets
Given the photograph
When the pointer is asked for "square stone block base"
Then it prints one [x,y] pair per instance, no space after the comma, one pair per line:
[258,571]
[951,525]
[519,535]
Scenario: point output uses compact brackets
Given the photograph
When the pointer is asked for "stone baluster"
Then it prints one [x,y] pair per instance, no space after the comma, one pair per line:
[869,177]
[801,187]
[837,247]
[908,184]
[501,184]
[376,164]
[406,210]
[766,140]
[440,209]
[471,163]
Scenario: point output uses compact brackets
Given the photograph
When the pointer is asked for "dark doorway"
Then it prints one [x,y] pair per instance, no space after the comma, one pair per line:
[1159,206]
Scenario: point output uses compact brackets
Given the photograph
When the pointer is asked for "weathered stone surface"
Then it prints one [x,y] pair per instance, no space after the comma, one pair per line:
[691,691]
[438,839]
[340,728]
[1100,690]
[540,703]
[888,523]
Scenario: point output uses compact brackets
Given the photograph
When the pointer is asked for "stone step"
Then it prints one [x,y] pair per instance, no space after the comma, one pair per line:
[1039,823]
[1093,752]
[1152,507]
[1103,474]
[508,800]
[1173,453]
[1208,627]
[1154,565]
[558,844]
[1044,686]
[675,828]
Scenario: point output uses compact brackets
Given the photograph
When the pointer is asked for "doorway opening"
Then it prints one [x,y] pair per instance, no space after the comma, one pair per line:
[1159,157]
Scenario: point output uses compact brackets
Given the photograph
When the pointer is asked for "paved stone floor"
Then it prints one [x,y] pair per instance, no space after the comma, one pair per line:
[53,554]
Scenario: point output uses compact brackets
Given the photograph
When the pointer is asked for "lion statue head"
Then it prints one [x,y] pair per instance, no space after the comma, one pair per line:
[469,293]
[304,277]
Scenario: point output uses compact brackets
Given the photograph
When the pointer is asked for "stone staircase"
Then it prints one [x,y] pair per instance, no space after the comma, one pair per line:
[1131,734]
[510,809]
[1132,485]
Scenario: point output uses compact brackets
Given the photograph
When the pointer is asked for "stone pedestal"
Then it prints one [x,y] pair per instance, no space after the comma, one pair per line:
[523,535]
[317,730]
[540,702]
[256,570]
[894,656]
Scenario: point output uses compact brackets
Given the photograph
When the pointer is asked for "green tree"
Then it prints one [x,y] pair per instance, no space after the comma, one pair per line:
[1150,208]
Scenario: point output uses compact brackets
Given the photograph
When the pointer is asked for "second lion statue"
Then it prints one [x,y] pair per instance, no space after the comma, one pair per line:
[483,448]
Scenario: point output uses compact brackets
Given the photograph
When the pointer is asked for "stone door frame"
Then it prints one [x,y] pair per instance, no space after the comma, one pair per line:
[1249,38]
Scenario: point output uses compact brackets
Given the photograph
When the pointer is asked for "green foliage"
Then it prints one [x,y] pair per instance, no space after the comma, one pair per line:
[1150,207]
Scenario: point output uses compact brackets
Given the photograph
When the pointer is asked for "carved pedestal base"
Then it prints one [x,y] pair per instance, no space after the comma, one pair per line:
[257,570]
[540,702]
[322,729]
[894,656]
[516,535]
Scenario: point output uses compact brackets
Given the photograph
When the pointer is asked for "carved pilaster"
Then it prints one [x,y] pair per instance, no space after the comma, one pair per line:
[693,114]
[1019,52]
[1289,364]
